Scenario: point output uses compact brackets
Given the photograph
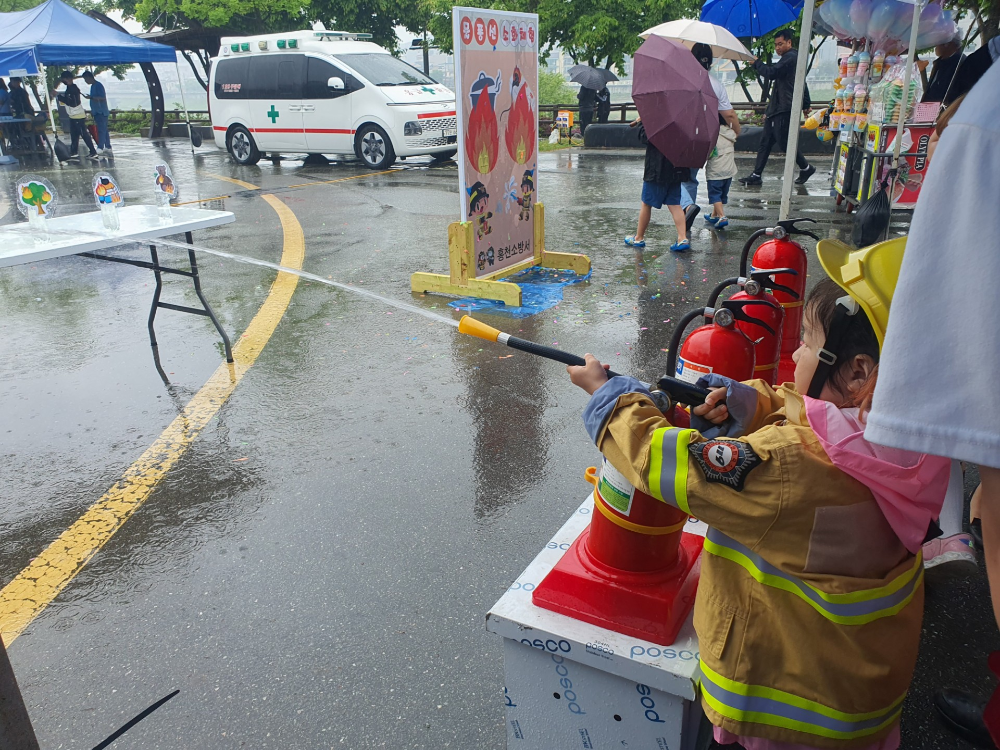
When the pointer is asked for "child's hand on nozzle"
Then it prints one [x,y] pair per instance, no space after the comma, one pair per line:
[590,376]
[714,409]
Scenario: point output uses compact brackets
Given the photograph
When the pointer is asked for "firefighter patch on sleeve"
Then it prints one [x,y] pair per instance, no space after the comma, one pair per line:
[725,461]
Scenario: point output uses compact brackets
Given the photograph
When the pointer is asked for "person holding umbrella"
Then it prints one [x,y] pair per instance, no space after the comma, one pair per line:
[592,81]
[778,116]
[679,113]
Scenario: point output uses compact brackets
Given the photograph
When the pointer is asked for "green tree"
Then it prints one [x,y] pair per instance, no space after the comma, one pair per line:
[552,89]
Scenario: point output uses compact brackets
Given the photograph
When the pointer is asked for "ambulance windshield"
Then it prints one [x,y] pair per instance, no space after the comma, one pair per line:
[385,70]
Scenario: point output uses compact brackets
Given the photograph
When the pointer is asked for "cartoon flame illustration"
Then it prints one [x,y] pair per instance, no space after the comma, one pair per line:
[520,135]
[482,142]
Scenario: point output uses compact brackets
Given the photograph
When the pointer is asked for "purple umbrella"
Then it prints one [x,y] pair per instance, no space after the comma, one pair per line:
[676,102]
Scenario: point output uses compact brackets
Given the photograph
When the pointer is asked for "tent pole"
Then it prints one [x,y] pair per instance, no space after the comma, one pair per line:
[187,117]
[48,101]
[795,115]
[911,55]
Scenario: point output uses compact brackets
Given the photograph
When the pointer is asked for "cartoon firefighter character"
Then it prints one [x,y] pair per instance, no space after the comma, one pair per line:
[489,255]
[481,261]
[479,202]
[527,189]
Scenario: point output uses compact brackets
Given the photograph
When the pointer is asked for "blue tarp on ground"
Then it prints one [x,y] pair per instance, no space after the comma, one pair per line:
[541,288]
[20,61]
[60,35]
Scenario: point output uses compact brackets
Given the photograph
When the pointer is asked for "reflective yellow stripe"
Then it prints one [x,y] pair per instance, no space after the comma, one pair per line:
[854,608]
[668,466]
[797,303]
[637,528]
[758,704]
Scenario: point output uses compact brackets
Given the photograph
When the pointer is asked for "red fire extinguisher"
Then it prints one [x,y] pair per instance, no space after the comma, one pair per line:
[767,346]
[718,346]
[782,252]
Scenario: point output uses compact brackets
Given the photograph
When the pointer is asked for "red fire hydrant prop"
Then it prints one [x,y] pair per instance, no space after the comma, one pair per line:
[718,346]
[782,252]
[766,345]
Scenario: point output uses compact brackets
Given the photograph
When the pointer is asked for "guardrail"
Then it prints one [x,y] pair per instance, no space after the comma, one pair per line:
[619,112]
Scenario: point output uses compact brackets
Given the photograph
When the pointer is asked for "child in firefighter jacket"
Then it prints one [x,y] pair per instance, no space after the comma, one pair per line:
[808,612]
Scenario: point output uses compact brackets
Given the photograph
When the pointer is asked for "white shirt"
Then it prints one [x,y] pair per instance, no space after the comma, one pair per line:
[720,91]
[937,387]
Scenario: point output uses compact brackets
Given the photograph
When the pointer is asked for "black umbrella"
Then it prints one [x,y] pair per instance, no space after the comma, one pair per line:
[591,78]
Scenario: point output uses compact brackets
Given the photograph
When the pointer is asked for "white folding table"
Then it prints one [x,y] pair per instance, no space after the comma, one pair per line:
[83,234]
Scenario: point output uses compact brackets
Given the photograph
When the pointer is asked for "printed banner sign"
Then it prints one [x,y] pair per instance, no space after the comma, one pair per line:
[496,82]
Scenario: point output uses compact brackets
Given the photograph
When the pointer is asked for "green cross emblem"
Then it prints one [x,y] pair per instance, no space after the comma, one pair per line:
[427,89]
[273,114]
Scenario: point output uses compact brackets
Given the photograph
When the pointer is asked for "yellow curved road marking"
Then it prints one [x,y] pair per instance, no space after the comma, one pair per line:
[245,185]
[34,588]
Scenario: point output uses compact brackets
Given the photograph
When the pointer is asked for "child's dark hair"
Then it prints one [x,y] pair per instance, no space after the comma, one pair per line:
[860,336]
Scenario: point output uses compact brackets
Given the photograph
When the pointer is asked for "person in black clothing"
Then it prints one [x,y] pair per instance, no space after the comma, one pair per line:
[73,101]
[971,69]
[661,184]
[603,105]
[943,69]
[586,98]
[20,104]
[778,116]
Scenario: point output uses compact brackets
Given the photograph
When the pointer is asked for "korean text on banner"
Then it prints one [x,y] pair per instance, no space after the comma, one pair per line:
[496,81]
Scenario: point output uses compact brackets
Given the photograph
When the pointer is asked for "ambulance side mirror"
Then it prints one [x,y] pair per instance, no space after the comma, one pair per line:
[335,83]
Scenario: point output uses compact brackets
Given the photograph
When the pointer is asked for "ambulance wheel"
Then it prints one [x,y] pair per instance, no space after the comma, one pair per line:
[374,148]
[241,146]
[444,155]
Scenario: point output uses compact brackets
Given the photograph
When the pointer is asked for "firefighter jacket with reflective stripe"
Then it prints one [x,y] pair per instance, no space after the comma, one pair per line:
[809,608]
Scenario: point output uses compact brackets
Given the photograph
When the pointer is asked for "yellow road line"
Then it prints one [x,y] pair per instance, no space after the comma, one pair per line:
[342,179]
[34,588]
[203,200]
[233,180]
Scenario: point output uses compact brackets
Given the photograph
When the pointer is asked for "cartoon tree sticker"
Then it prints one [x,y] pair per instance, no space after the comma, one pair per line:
[35,196]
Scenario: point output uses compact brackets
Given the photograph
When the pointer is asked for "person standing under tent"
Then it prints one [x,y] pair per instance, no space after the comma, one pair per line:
[72,99]
[4,99]
[778,116]
[99,110]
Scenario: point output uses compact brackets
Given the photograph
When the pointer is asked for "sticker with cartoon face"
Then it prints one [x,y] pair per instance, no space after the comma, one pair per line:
[106,191]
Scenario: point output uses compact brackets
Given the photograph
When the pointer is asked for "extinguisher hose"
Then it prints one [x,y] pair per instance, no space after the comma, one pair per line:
[745,255]
[675,340]
[489,333]
[714,297]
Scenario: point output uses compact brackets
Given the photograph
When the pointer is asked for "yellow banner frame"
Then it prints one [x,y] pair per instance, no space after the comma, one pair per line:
[461,279]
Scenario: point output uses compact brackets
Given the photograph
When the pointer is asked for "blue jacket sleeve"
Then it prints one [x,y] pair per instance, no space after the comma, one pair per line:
[602,403]
[741,401]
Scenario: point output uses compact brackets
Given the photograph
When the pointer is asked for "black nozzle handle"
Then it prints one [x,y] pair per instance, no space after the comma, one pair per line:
[789,226]
[675,340]
[736,308]
[681,392]
[763,277]
[714,296]
[549,353]
[745,255]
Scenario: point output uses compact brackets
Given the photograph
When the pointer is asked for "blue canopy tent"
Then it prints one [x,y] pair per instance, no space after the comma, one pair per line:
[53,33]
[18,62]
[60,35]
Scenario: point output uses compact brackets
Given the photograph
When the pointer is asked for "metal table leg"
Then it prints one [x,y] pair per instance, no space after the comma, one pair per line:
[158,270]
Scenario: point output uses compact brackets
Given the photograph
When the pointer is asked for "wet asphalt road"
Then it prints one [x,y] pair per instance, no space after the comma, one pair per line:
[316,569]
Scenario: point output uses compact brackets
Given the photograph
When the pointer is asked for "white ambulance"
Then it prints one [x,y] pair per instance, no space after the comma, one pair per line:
[326,92]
